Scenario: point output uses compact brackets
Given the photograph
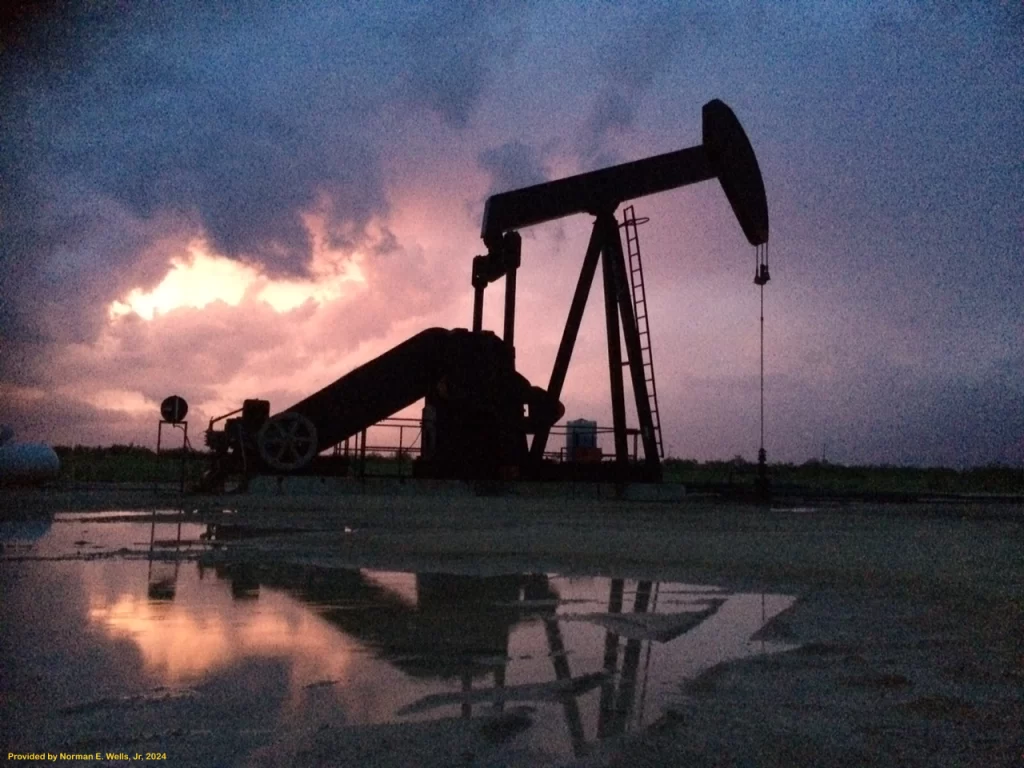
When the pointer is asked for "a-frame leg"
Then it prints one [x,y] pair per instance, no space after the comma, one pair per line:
[611,315]
[569,334]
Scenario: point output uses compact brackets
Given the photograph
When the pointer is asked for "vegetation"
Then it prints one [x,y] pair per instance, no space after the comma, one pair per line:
[128,464]
[137,464]
[824,477]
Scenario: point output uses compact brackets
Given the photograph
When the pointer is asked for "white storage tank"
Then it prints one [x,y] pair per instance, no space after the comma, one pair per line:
[26,463]
[581,440]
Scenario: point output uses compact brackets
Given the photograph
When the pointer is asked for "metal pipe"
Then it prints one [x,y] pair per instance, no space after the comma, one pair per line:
[478,308]
[510,310]
[184,455]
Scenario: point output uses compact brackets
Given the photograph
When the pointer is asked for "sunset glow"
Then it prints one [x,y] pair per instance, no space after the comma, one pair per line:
[194,281]
[202,279]
[180,643]
[122,400]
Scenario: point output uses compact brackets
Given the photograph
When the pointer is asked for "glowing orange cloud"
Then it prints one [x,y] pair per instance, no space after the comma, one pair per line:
[200,278]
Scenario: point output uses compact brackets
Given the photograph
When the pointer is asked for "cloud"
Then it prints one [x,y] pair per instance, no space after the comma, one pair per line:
[512,165]
[642,44]
[219,354]
[453,48]
[65,254]
[183,119]
[892,415]
[70,421]
[122,125]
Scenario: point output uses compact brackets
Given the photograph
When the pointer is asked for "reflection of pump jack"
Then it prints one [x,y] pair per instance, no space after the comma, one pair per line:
[616,710]
[162,575]
[616,706]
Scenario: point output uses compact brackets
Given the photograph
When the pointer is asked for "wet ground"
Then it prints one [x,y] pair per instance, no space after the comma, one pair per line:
[133,629]
[481,635]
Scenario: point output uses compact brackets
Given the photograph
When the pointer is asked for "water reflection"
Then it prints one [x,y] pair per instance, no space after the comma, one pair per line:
[162,576]
[275,647]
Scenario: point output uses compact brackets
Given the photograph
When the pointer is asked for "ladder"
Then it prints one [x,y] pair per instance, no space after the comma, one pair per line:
[636,283]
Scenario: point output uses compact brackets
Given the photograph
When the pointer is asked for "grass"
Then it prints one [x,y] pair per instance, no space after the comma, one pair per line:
[131,463]
[839,479]
[128,464]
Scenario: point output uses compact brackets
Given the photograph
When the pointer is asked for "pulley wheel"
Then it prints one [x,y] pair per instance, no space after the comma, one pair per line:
[287,441]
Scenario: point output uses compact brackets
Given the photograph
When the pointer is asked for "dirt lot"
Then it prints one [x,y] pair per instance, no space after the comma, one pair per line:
[909,617]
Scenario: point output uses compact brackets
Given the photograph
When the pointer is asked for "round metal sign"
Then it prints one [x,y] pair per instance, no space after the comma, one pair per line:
[173,409]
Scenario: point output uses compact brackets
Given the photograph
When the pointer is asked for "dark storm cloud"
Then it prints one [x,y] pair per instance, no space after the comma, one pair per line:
[177,116]
[893,414]
[67,421]
[124,123]
[641,45]
[453,50]
[64,253]
[511,166]
[901,415]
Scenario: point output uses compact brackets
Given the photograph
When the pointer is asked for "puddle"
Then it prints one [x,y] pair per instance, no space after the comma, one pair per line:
[157,648]
[162,534]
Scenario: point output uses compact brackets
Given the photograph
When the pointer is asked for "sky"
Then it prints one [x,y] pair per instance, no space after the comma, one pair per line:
[224,204]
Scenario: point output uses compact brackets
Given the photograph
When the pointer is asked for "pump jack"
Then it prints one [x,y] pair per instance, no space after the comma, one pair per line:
[474,397]
[725,153]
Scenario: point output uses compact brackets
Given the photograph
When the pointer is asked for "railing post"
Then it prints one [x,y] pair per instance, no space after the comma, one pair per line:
[362,456]
[401,441]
